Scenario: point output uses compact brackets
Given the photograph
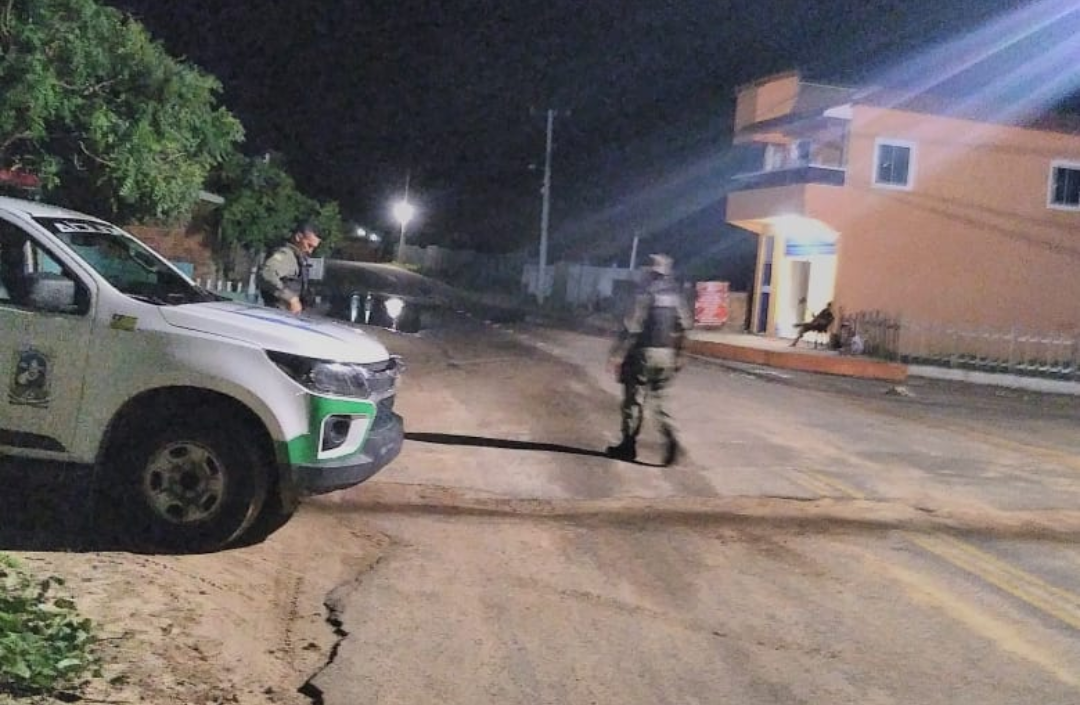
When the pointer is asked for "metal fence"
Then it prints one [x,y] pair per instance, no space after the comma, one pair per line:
[232,289]
[880,334]
[1013,351]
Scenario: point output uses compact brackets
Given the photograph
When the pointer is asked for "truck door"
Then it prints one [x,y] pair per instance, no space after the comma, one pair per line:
[45,326]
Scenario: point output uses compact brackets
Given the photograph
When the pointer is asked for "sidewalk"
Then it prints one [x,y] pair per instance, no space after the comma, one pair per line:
[776,352]
[756,350]
[753,349]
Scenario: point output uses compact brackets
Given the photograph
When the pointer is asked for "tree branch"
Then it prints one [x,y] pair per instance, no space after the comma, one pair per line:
[89,90]
[13,139]
[96,158]
[5,22]
[98,86]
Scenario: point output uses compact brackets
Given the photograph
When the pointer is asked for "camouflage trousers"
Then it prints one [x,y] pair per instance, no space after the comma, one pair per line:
[645,379]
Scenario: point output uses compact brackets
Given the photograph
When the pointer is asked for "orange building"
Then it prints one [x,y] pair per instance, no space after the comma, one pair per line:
[912,211]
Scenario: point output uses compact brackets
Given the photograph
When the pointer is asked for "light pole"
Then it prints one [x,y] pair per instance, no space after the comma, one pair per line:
[403,213]
[545,210]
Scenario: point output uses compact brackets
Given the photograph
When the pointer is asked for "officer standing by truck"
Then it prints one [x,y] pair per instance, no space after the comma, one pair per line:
[646,356]
[283,279]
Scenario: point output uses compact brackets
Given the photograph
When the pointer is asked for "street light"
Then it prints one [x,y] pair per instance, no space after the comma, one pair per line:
[403,213]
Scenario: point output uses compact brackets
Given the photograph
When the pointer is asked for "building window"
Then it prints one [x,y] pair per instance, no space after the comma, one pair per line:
[894,164]
[1065,185]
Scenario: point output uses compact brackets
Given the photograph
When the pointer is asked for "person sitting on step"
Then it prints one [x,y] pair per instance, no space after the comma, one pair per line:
[820,323]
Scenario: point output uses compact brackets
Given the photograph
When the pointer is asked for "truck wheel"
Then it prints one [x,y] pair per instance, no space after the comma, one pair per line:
[191,485]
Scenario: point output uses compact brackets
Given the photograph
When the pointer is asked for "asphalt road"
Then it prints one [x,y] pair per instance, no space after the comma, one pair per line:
[827,540]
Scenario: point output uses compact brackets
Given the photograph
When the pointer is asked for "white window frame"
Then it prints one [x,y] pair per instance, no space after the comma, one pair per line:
[912,161]
[1070,164]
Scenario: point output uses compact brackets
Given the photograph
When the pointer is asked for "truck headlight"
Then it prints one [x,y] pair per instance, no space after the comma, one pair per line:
[322,376]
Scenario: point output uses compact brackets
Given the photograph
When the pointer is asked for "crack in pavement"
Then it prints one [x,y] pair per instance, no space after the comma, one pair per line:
[334,606]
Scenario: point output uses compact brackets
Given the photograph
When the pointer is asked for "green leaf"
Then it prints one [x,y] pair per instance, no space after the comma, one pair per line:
[20,669]
[104,115]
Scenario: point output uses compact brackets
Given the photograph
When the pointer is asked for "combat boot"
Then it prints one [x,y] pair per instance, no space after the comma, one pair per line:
[673,452]
[626,450]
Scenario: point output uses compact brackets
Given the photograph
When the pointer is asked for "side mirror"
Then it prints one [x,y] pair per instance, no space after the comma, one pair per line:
[52,293]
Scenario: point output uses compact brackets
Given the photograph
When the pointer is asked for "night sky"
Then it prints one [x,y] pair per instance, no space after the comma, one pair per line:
[355,93]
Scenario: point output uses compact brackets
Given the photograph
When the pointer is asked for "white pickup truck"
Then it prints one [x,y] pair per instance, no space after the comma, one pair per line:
[195,411]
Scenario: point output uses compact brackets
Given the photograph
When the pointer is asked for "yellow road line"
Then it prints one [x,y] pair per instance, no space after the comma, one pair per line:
[1062,457]
[1072,556]
[1071,598]
[1059,457]
[1008,581]
[1008,636]
[1057,602]
[812,484]
[832,482]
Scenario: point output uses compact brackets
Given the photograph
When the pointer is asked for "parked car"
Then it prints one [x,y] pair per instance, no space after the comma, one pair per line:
[383,295]
[377,308]
[195,410]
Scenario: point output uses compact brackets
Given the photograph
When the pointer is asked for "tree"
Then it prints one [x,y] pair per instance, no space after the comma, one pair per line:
[102,114]
[262,204]
[331,226]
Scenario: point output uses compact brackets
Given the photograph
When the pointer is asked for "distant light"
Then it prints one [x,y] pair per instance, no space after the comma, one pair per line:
[404,212]
[360,232]
[374,236]
[394,307]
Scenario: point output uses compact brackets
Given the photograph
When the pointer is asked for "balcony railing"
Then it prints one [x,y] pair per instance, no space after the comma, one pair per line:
[802,174]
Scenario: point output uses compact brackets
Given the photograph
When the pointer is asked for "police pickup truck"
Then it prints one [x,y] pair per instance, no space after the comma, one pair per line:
[195,412]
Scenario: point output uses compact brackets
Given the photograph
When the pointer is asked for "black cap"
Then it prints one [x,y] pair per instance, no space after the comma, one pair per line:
[305,226]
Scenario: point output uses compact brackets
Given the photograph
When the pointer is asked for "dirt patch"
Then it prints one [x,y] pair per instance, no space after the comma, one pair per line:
[243,626]
[784,514]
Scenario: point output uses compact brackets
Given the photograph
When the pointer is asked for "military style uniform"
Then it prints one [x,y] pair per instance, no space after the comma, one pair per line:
[650,348]
[284,277]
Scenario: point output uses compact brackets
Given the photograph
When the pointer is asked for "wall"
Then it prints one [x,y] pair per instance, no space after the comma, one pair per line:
[179,244]
[766,99]
[973,243]
[357,250]
[576,284]
[737,303]
[745,207]
[473,270]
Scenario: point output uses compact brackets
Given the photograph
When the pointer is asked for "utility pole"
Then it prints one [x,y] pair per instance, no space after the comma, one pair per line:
[403,222]
[545,211]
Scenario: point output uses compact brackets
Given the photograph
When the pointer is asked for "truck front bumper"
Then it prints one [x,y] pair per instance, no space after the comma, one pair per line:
[383,444]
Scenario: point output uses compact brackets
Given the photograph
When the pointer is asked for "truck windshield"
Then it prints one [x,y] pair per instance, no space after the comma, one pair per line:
[126,263]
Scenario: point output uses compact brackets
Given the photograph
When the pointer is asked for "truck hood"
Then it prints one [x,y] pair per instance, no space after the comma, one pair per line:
[270,329]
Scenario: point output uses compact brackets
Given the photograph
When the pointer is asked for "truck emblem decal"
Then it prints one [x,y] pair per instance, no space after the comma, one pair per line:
[122,322]
[30,379]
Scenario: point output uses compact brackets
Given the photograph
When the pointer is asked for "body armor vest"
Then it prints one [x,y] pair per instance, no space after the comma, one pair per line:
[662,328]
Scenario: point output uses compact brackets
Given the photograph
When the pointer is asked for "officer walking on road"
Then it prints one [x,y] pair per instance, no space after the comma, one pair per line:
[283,279]
[646,356]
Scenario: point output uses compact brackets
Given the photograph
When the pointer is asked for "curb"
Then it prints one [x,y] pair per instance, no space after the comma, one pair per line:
[1030,384]
[830,365]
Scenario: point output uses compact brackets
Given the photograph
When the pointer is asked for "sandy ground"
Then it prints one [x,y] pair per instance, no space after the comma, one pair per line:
[502,559]
[242,626]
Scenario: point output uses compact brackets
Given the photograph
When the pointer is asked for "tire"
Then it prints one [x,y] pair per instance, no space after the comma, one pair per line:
[189,484]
